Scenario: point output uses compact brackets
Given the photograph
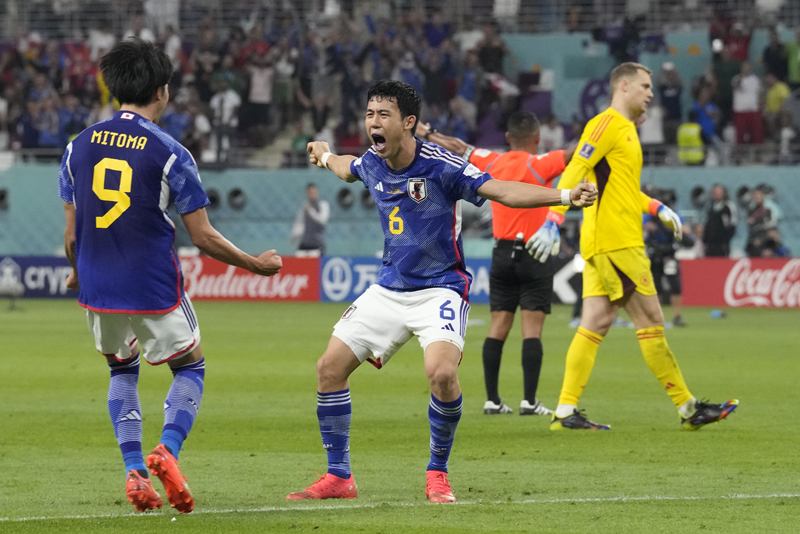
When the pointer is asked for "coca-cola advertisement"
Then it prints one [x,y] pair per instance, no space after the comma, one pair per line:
[747,282]
[209,279]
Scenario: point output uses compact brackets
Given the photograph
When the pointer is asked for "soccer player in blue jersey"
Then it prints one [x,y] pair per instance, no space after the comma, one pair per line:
[116,180]
[423,285]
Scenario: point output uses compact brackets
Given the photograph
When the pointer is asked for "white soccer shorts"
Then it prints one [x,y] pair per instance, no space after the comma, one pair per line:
[381,321]
[161,337]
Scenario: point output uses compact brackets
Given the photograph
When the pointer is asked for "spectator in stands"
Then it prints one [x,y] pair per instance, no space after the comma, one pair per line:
[468,90]
[52,63]
[690,141]
[320,112]
[435,74]
[738,41]
[774,57]
[46,123]
[793,59]
[747,106]
[173,46]
[297,156]
[721,221]
[309,225]
[349,139]
[138,29]
[551,135]
[670,89]
[176,121]
[27,131]
[71,119]
[197,139]
[228,71]
[259,101]
[773,246]
[492,50]
[225,104]
[707,117]
[725,70]
[407,71]
[468,37]
[101,40]
[760,220]
[787,136]
[777,92]
[437,30]
[42,88]
[651,131]
[286,59]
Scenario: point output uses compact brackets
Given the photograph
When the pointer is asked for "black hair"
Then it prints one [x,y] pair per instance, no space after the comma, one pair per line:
[309,185]
[693,116]
[406,97]
[134,70]
[522,124]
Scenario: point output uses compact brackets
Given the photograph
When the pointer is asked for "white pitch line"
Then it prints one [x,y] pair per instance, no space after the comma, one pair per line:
[735,496]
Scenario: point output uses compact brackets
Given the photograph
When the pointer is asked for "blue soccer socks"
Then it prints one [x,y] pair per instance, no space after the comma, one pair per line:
[444,417]
[126,412]
[182,404]
[334,411]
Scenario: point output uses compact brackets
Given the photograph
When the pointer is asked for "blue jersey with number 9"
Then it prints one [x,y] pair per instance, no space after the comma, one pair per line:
[421,217]
[121,174]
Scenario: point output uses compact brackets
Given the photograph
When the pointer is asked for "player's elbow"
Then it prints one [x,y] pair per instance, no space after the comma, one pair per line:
[201,240]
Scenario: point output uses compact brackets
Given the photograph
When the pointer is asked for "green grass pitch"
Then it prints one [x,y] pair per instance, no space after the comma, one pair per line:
[257,439]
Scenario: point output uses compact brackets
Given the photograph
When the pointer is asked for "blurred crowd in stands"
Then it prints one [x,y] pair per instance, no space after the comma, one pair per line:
[279,77]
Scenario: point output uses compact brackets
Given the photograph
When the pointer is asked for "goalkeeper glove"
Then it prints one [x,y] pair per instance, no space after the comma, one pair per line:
[671,220]
[546,241]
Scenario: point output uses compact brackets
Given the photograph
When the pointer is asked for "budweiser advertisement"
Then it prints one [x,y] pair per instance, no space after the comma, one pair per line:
[209,279]
[748,282]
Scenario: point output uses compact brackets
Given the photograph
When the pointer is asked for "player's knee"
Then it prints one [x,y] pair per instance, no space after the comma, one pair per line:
[442,378]
[328,371]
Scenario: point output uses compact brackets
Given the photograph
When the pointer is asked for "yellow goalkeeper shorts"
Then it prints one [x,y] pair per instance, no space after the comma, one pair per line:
[615,274]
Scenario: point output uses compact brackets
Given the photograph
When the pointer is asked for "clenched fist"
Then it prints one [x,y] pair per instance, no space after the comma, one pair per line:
[583,195]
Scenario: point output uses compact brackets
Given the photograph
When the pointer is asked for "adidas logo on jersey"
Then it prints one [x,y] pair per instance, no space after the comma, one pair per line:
[132,415]
[379,187]
[449,326]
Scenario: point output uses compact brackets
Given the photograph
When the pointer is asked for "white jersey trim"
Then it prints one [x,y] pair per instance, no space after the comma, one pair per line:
[69,170]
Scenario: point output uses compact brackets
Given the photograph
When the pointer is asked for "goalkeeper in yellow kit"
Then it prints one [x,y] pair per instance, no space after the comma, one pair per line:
[617,272]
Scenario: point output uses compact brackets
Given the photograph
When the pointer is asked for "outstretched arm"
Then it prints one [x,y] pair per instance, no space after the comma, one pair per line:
[210,241]
[520,195]
[319,153]
[453,144]
[69,245]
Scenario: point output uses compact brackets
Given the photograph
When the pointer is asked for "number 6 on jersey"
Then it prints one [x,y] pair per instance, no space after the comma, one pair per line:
[395,222]
[123,201]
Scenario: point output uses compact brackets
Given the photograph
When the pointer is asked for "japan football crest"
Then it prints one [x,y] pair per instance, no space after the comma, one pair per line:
[417,189]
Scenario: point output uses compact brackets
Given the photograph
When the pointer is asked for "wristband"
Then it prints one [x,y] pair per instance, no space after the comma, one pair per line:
[429,132]
[653,206]
[468,152]
[565,201]
[324,159]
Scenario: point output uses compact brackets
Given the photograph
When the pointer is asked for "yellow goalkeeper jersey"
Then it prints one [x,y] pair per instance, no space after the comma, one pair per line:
[610,156]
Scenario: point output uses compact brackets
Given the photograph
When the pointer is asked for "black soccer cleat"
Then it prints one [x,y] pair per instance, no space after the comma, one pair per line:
[706,413]
[575,421]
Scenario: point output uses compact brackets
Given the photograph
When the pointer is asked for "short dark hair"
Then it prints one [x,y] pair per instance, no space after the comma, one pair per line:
[406,97]
[626,70]
[134,70]
[522,124]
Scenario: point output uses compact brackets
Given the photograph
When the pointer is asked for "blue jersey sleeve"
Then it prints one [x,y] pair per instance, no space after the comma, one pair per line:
[464,183]
[184,183]
[65,188]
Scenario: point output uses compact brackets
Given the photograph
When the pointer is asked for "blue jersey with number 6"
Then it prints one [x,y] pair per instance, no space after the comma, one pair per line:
[121,175]
[421,217]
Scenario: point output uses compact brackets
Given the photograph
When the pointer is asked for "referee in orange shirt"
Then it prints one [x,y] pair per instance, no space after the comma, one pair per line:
[516,279]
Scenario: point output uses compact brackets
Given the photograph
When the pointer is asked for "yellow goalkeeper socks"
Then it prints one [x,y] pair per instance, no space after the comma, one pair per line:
[662,362]
[580,361]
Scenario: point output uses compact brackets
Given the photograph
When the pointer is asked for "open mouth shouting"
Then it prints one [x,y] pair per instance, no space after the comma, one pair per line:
[379,142]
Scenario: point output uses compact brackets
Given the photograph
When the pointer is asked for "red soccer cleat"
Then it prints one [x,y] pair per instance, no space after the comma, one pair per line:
[328,487]
[437,487]
[163,465]
[141,493]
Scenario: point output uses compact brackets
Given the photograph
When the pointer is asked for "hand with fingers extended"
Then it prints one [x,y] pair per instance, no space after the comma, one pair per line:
[545,242]
[583,195]
[268,263]
[315,151]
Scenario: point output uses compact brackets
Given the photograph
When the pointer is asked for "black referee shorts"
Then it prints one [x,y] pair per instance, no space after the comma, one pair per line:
[519,280]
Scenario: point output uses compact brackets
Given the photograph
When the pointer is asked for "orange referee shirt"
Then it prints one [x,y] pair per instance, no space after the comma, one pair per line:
[519,166]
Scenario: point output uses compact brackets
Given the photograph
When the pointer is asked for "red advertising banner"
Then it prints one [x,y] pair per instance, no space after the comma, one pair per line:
[747,282]
[209,279]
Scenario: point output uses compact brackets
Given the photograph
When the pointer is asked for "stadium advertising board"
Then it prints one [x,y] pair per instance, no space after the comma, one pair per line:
[35,277]
[747,282]
[344,278]
[209,279]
